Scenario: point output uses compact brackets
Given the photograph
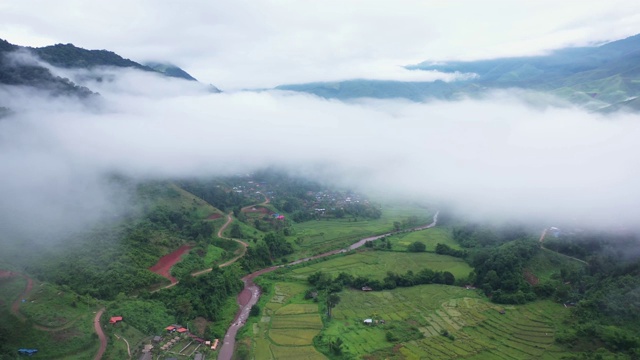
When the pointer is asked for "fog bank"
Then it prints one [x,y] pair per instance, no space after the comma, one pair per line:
[504,156]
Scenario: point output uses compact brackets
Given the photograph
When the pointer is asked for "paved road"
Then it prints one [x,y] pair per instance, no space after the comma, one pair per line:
[101,336]
[251,293]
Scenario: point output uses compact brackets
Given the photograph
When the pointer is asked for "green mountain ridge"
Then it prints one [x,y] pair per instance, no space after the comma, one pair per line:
[601,78]
[69,56]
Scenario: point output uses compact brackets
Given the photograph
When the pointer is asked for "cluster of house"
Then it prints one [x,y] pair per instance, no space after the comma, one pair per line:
[176,328]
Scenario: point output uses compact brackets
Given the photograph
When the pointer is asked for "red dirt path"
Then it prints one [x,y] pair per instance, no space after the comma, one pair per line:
[163,266]
[101,336]
[214,216]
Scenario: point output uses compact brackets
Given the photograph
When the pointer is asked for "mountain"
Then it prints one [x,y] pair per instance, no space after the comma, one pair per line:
[601,78]
[170,70]
[25,73]
[16,71]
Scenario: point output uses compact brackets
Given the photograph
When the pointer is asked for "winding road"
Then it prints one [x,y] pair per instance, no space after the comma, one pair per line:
[251,293]
[101,336]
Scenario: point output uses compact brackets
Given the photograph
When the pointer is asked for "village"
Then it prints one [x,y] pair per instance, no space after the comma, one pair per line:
[176,343]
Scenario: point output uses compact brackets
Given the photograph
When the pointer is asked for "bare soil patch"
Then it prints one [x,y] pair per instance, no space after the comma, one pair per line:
[531,278]
[6,274]
[164,264]
[257,209]
[214,216]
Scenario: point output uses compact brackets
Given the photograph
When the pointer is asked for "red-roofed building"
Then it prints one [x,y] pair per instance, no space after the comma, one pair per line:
[170,328]
[115,319]
[182,330]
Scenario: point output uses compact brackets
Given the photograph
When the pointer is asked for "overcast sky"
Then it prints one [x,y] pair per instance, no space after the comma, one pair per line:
[262,43]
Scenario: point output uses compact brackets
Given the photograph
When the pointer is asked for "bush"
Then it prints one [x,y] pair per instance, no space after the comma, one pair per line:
[417,247]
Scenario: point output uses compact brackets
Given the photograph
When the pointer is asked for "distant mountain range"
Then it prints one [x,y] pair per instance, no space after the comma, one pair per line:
[25,73]
[602,78]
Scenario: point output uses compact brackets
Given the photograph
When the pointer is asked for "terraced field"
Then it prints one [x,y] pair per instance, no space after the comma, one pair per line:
[478,329]
[376,264]
[288,326]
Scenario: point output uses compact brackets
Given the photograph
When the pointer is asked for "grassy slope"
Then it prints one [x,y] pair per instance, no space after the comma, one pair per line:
[70,332]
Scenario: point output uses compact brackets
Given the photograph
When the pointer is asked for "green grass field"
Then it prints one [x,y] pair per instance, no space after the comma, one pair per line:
[376,264]
[323,235]
[71,335]
[430,237]
[478,329]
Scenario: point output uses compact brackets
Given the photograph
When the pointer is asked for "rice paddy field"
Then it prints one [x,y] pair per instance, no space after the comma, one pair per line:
[376,264]
[287,325]
[429,237]
[319,236]
[476,327]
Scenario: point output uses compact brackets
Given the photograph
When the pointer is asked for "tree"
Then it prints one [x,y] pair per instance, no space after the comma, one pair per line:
[448,278]
[417,247]
[236,231]
[332,300]
[397,225]
[255,310]
[336,346]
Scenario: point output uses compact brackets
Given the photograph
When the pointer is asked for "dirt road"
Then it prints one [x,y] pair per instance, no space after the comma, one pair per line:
[15,307]
[101,336]
[251,292]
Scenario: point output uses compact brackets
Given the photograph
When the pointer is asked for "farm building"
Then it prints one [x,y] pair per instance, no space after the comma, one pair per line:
[170,328]
[368,321]
[366,288]
[115,319]
[215,344]
[182,330]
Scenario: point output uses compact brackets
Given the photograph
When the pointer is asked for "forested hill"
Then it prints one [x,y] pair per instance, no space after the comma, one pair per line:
[603,78]
[15,70]
[33,75]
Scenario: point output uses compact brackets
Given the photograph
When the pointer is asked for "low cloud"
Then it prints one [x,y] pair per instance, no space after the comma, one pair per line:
[504,156]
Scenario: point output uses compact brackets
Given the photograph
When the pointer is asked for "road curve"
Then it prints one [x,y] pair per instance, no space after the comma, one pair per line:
[251,293]
[101,336]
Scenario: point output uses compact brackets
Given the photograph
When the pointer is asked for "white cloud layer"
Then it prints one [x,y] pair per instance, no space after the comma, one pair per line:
[495,157]
[264,43]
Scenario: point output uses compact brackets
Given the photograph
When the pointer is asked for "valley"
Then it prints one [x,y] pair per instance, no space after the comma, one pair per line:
[420,301]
